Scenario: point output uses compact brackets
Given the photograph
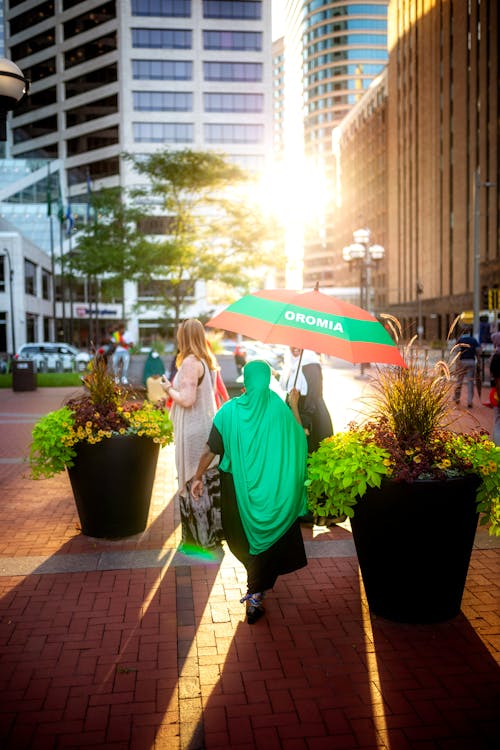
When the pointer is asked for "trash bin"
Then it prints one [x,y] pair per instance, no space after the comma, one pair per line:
[23,375]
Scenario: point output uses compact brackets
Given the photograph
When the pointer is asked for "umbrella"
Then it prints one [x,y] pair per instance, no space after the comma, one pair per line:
[310,320]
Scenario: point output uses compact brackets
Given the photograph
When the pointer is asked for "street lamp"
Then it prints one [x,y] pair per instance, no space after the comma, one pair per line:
[366,256]
[477,254]
[13,86]
[11,280]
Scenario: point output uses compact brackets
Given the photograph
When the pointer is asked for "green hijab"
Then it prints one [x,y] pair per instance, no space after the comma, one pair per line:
[265,450]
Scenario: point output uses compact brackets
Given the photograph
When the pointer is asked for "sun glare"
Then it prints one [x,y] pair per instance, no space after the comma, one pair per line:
[293,192]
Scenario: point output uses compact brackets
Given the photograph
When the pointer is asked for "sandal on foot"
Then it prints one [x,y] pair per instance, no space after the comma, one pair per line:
[254,614]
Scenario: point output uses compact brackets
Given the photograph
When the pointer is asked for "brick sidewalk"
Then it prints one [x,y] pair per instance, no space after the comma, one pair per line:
[130,645]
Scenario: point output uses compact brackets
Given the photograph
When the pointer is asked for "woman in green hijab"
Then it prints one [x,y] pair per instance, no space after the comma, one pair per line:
[263,450]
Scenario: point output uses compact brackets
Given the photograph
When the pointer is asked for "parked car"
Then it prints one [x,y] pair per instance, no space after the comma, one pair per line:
[256,350]
[54,357]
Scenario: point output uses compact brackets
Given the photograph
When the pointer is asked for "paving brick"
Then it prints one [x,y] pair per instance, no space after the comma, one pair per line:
[98,658]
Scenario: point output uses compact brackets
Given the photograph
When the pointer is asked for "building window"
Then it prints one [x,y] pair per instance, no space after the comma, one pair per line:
[162,38]
[228,71]
[3,273]
[35,101]
[162,8]
[35,129]
[46,329]
[214,102]
[92,110]
[91,50]
[233,133]
[102,168]
[162,70]
[46,280]
[233,40]
[29,277]
[163,132]
[90,81]
[33,44]
[31,17]
[89,20]
[31,328]
[232,9]
[91,141]
[163,101]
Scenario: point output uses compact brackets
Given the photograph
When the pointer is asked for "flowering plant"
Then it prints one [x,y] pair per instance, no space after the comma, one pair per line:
[407,436]
[104,410]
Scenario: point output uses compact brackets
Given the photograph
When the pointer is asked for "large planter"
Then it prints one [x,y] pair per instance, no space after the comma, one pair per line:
[112,482]
[414,543]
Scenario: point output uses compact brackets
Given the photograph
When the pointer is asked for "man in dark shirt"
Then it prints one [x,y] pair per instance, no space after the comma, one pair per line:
[466,363]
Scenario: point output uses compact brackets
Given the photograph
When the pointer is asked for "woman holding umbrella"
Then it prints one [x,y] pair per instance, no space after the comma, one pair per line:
[263,452]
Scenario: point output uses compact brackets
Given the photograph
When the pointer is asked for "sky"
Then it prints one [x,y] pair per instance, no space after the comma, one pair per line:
[278,18]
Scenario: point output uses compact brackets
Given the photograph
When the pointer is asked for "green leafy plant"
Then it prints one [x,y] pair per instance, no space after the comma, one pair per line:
[104,410]
[405,436]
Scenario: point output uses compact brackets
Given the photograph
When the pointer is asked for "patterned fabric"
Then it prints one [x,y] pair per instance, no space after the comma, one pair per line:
[201,518]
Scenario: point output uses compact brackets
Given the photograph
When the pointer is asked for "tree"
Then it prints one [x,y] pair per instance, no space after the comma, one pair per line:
[212,231]
[110,245]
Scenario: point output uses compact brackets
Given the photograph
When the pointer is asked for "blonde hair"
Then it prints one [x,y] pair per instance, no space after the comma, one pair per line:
[191,339]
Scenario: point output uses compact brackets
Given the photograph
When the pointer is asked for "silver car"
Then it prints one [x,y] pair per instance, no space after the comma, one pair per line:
[54,357]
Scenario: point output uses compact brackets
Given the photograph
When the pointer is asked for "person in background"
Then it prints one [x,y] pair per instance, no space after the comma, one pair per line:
[263,457]
[313,411]
[240,357]
[495,377]
[123,341]
[154,369]
[466,363]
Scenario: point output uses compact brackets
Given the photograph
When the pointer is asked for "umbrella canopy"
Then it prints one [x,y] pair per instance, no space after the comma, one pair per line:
[310,320]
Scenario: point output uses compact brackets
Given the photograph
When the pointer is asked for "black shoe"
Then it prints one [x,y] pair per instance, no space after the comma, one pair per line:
[254,614]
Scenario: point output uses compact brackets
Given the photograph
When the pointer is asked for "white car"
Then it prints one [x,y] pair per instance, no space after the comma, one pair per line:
[255,350]
[54,357]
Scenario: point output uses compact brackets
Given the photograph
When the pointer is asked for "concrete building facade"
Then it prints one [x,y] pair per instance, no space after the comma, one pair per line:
[443,120]
[134,76]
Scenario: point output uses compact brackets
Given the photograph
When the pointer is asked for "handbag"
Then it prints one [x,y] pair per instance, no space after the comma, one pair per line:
[220,390]
[201,517]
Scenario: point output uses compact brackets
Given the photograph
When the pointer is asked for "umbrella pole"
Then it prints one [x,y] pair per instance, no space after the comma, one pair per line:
[298,368]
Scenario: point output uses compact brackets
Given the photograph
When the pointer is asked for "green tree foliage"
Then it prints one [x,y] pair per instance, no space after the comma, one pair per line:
[212,231]
[110,244]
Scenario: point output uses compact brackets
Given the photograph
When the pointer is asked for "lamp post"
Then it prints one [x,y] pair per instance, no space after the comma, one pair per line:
[477,255]
[13,87]
[366,255]
[11,282]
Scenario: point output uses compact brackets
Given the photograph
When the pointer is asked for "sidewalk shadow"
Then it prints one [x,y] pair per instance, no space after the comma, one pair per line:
[439,684]
[92,657]
[319,670]
[299,674]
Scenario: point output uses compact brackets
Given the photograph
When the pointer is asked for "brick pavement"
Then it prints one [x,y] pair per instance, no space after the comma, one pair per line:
[130,645]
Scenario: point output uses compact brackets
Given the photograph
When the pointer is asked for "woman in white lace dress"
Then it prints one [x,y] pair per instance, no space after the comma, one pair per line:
[193,407]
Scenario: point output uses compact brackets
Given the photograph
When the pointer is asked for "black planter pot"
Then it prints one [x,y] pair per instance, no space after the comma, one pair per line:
[112,483]
[414,543]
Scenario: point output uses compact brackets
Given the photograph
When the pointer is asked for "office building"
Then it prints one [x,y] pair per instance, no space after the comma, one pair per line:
[443,159]
[134,76]
[333,51]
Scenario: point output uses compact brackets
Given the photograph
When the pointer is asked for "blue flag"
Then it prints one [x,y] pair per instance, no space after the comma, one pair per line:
[70,222]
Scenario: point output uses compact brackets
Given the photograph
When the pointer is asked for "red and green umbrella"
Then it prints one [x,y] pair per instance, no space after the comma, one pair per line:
[310,320]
